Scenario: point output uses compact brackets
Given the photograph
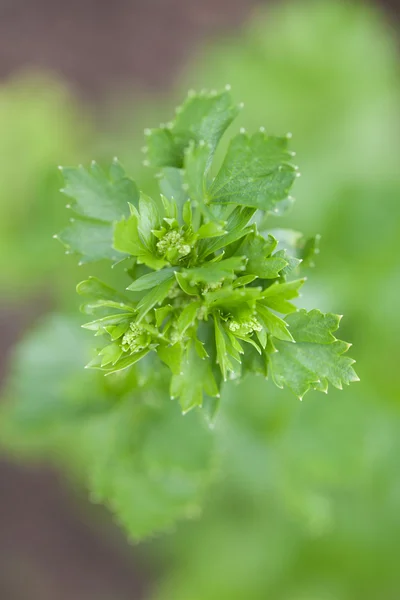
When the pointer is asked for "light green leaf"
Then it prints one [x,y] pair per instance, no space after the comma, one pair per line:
[210,230]
[275,326]
[110,354]
[278,295]
[315,359]
[126,361]
[91,240]
[258,251]
[215,272]
[97,195]
[236,229]
[171,185]
[187,317]
[151,280]
[101,295]
[171,356]
[225,346]
[203,117]
[194,379]
[100,324]
[195,166]
[256,172]
[155,296]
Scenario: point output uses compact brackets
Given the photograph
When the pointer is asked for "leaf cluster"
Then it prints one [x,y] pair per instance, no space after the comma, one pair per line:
[211,295]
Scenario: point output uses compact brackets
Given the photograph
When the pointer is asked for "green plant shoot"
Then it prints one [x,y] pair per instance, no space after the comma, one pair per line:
[211,295]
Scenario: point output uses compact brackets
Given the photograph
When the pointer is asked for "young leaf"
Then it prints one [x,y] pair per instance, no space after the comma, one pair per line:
[203,117]
[258,251]
[214,272]
[256,172]
[195,377]
[155,296]
[235,230]
[151,280]
[278,295]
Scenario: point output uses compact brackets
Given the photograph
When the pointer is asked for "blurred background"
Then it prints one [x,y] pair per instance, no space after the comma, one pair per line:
[308,507]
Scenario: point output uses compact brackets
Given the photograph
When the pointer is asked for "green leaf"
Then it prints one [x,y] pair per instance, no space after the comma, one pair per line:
[225,346]
[274,325]
[203,117]
[256,172]
[127,239]
[100,324]
[171,185]
[151,280]
[210,230]
[278,295]
[102,295]
[195,377]
[126,361]
[258,251]
[316,358]
[155,296]
[215,272]
[195,166]
[187,317]
[97,195]
[110,354]
[91,240]
[236,229]
[171,356]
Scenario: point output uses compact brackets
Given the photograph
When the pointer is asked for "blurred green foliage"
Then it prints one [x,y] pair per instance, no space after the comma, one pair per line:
[39,126]
[308,505]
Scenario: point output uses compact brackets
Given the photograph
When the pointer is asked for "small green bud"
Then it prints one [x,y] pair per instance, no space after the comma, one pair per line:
[135,339]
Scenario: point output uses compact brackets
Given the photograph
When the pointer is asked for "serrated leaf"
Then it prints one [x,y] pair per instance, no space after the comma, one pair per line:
[91,240]
[97,195]
[258,252]
[256,172]
[214,272]
[203,117]
[315,358]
